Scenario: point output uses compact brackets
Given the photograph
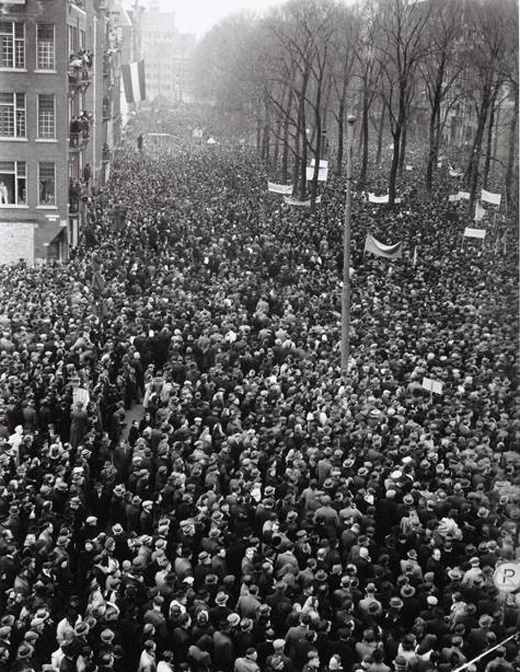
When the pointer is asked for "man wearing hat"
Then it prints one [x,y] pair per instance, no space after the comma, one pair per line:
[279,661]
[248,662]
[220,611]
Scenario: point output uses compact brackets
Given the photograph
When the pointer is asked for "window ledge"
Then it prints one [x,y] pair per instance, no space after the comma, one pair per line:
[7,138]
[12,206]
[46,207]
[45,140]
[46,72]
[13,70]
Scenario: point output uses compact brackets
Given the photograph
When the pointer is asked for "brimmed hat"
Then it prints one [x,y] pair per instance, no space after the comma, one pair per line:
[233,620]
[407,591]
[221,598]
[25,650]
[107,636]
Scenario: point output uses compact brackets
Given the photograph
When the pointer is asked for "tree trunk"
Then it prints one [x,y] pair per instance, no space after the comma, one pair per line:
[489,146]
[380,135]
[303,134]
[513,140]
[402,150]
[285,154]
[364,134]
[258,135]
[433,151]
[341,134]
[395,164]
[476,153]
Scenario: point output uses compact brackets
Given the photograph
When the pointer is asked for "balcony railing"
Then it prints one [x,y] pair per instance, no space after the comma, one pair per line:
[79,138]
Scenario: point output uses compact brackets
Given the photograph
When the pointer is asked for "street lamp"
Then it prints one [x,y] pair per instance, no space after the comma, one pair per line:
[345,294]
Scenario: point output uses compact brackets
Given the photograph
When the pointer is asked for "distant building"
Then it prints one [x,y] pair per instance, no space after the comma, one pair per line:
[58,120]
[167,55]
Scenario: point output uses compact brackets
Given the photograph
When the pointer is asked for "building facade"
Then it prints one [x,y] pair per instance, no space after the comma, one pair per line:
[167,54]
[57,121]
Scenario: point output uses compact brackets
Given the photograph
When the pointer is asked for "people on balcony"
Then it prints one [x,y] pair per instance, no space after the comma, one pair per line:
[84,59]
[75,130]
[86,120]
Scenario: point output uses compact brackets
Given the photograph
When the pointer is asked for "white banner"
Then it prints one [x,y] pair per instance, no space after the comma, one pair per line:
[284,189]
[480,212]
[409,167]
[431,385]
[372,198]
[490,197]
[323,164]
[305,204]
[454,198]
[322,174]
[80,395]
[474,233]
[464,195]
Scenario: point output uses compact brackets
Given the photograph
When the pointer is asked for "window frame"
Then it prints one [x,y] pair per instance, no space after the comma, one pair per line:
[19,114]
[40,135]
[18,175]
[17,63]
[38,68]
[47,204]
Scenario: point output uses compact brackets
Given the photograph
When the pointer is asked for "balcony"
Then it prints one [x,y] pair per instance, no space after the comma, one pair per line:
[101,5]
[80,132]
[80,70]
[105,156]
[107,112]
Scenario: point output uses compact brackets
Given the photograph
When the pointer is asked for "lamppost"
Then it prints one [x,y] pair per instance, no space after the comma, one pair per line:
[345,294]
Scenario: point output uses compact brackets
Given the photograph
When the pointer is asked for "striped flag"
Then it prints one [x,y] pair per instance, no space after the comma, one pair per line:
[134,81]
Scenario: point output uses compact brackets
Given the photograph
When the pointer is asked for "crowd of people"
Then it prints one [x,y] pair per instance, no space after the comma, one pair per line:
[264,512]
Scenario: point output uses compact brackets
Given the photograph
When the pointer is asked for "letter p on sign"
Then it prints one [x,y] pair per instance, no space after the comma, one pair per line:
[507,577]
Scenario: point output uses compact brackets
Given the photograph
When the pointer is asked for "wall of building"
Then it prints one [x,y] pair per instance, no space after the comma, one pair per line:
[16,242]
[31,149]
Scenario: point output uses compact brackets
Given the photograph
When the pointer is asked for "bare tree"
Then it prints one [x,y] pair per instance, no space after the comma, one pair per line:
[400,48]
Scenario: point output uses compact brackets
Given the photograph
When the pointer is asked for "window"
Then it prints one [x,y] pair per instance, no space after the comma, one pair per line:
[45,47]
[13,182]
[12,115]
[47,181]
[12,45]
[46,121]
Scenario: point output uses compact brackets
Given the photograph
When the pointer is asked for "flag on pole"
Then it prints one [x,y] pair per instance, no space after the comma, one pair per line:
[490,197]
[380,250]
[134,81]
[480,212]
[284,189]
[474,233]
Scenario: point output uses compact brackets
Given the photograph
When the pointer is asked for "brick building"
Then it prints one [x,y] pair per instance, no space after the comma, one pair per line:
[58,120]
